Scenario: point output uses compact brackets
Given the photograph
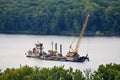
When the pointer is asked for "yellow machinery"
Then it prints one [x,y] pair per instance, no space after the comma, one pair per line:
[71,54]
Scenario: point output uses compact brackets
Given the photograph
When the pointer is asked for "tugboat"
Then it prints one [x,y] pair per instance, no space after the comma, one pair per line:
[36,51]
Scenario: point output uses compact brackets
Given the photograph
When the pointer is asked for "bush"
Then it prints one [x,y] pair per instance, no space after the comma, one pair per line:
[104,72]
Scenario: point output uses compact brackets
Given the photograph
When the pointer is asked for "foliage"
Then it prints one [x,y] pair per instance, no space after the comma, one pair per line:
[108,72]
[104,72]
[59,16]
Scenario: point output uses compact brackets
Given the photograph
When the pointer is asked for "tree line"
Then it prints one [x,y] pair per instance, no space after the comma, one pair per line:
[60,16]
[104,72]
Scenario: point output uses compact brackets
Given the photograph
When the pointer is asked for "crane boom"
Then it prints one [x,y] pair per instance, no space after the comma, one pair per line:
[71,54]
[81,33]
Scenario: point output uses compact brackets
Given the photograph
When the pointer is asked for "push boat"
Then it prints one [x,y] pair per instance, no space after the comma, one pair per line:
[72,56]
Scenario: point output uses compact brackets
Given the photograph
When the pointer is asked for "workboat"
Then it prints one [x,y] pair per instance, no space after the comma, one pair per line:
[37,52]
[72,56]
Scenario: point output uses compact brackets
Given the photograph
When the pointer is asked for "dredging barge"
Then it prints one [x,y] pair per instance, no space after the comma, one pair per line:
[72,56]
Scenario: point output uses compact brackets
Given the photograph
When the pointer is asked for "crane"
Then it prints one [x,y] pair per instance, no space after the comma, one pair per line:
[75,51]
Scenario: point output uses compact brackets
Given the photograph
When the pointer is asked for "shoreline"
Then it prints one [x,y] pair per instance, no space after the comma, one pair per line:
[85,35]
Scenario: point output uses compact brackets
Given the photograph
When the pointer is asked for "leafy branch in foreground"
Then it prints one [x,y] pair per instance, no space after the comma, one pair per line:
[104,72]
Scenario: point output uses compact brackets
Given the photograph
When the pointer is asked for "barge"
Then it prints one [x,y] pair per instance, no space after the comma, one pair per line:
[72,56]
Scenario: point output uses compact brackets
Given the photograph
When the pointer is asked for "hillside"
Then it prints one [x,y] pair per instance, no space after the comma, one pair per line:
[60,17]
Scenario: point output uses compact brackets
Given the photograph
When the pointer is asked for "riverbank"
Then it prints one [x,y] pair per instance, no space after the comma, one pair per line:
[97,34]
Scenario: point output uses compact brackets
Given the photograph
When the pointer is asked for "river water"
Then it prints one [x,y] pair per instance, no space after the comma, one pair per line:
[101,50]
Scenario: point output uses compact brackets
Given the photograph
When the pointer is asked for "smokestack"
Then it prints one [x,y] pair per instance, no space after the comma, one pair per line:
[60,49]
[55,46]
[52,45]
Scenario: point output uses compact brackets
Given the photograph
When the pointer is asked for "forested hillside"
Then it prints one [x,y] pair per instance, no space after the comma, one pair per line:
[60,16]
